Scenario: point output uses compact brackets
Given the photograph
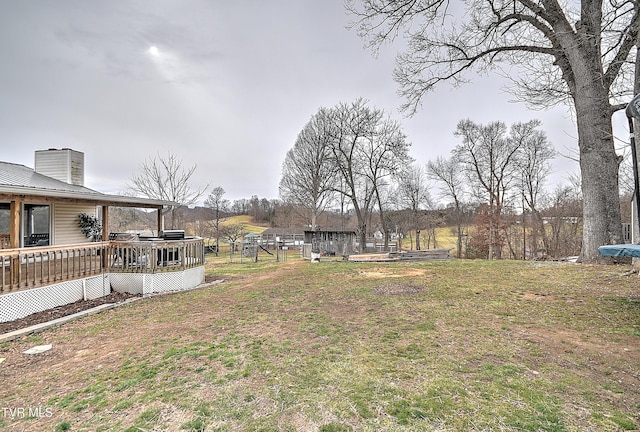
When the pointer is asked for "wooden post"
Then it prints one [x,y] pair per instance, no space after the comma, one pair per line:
[105,236]
[105,223]
[14,224]
[14,240]
[159,221]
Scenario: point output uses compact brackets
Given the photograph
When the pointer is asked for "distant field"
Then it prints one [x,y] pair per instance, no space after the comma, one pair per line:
[247,221]
[444,239]
[458,345]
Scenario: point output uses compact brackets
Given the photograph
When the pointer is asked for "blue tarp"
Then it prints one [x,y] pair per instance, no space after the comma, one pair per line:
[620,250]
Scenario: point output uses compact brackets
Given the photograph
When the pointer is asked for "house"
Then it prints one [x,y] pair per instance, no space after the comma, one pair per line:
[46,260]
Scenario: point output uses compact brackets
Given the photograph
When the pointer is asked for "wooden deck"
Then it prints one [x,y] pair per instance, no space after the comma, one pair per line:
[28,268]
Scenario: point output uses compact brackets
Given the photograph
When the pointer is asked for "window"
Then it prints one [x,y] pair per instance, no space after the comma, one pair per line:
[36,222]
[5,218]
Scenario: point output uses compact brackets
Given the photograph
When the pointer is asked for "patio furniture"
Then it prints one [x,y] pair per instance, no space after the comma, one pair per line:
[37,239]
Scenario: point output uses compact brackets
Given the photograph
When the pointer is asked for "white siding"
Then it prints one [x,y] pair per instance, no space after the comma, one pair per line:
[65,165]
[65,223]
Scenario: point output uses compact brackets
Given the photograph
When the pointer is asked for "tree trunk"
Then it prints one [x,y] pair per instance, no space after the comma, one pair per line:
[383,222]
[417,239]
[363,237]
[362,225]
[599,170]
[314,219]
[542,231]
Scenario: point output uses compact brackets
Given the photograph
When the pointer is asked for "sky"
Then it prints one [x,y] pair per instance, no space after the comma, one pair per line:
[224,85]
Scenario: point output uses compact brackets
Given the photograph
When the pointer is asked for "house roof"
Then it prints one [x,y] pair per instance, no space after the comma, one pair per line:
[19,180]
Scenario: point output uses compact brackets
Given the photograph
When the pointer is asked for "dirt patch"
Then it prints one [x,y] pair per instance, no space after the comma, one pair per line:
[395,273]
[71,308]
[397,289]
[61,311]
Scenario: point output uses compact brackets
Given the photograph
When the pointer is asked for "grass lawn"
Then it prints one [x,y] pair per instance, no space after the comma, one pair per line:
[294,346]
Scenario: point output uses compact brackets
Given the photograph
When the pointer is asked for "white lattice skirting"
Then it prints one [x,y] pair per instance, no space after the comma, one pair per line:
[22,303]
[140,283]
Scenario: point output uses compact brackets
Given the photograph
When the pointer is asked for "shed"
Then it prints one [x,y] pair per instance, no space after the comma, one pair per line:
[330,241]
[293,236]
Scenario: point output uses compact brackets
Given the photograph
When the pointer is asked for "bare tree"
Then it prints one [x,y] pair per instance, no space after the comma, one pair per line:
[534,165]
[365,149]
[564,219]
[413,194]
[386,153]
[308,177]
[350,124]
[241,206]
[448,172]
[232,233]
[219,205]
[164,178]
[565,52]
[489,158]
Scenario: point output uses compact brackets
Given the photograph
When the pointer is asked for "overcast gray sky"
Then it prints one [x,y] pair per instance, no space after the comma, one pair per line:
[228,87]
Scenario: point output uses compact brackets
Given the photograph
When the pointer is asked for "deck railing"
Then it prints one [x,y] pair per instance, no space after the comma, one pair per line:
[34,267]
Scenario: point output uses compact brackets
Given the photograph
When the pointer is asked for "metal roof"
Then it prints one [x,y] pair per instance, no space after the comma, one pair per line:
[18,179]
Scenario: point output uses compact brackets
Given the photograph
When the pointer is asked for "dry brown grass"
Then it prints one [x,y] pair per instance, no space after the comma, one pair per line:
[458,345]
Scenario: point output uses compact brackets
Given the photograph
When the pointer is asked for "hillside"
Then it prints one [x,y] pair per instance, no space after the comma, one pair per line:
[245,220]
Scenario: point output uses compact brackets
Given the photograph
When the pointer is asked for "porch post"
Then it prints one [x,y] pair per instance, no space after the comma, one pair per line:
[105,223]
[105,235]
[159,220]
[14,224]
[14,238]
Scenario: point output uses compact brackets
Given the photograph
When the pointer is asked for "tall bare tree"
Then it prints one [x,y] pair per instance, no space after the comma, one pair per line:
[164,178]
[449,173]
[574,52]
[534,166]
[366,148]
[489,157]
[350,124]
[413,194]
[308,176]
[386,153]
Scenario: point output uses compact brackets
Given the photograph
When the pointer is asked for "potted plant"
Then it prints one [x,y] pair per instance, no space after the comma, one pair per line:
[90,226]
